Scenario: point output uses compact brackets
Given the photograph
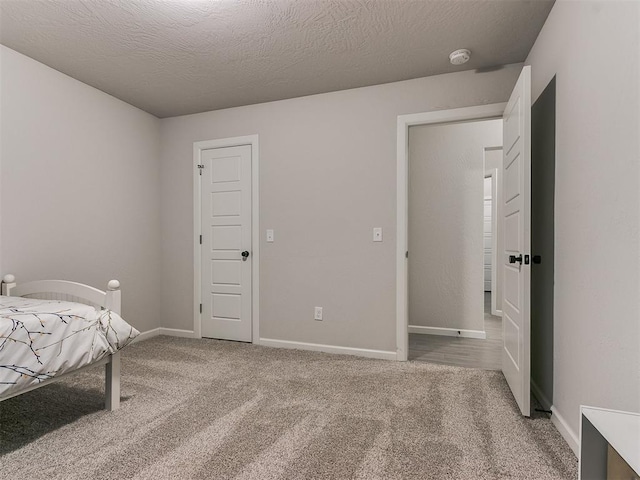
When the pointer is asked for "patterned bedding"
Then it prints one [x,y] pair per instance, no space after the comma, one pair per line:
[40,339]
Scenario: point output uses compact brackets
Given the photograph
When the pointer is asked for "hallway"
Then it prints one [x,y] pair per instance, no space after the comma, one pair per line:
[462,352]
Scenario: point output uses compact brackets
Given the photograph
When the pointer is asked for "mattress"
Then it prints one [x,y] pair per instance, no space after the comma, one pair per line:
[40,339]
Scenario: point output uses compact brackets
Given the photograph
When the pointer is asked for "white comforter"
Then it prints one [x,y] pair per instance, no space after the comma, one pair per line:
[40,339]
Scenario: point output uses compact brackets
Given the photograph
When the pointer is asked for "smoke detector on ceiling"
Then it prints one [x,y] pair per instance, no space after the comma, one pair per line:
[460,56]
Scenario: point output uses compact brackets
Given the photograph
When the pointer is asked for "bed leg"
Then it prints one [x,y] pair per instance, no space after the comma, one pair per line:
[8,282]
[112,383]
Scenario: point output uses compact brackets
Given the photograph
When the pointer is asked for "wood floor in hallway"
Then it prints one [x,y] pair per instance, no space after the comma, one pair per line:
[462,352]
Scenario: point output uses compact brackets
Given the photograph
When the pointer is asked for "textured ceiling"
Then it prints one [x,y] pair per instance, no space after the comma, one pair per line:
[176,57]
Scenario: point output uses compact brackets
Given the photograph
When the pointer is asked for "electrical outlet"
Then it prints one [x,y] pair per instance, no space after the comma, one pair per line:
[377,234]
[269,235]
[317,315]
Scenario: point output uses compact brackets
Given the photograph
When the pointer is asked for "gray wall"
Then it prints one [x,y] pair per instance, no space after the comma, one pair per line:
[592,48]
[80,186]
[327,177]
[446,217]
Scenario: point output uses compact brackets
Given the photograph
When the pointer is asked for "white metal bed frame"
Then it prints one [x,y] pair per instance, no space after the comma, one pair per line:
[80,293]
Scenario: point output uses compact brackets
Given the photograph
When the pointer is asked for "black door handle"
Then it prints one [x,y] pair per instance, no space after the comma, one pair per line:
[514,259]
[245,255]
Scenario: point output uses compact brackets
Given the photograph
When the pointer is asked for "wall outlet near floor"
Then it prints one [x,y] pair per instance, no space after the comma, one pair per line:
[377,234]
[317,315]
[269,235]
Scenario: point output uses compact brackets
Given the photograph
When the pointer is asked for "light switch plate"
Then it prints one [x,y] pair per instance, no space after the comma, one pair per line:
[377,234]
[269,235]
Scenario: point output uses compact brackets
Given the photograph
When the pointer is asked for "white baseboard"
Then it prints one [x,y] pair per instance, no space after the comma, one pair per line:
[146,335]
[176,332]
[360,352]
[447,332]
[537,392]
[563,427]
[172,332]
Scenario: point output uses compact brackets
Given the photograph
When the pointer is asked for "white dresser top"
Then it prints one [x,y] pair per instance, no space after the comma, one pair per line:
[620,429]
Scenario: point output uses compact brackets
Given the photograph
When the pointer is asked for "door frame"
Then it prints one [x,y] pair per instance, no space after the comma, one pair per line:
[198,147]
[496,198]
[481,112]
[493,175]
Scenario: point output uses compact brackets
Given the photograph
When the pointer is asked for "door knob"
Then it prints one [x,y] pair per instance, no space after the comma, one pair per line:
[245,255]
[514,259]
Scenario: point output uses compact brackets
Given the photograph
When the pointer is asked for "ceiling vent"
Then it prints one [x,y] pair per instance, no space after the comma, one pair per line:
[460,56]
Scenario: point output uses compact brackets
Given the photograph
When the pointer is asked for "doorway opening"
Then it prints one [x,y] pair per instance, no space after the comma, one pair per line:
[450,224]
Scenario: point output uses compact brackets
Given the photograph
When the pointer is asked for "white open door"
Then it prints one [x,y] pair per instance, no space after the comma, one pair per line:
[516,320]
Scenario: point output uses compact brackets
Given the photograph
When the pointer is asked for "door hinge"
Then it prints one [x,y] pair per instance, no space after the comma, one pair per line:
[200,239]
[200,308]
[406,254]
[200,168]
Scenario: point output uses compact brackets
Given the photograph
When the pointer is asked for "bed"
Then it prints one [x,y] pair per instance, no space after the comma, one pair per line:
[53,328]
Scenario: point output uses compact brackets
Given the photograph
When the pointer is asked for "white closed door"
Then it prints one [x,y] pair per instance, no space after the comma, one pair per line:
[515,261]
[226,243]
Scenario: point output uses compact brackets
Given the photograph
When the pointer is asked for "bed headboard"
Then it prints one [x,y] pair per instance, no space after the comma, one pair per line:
[65,290]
